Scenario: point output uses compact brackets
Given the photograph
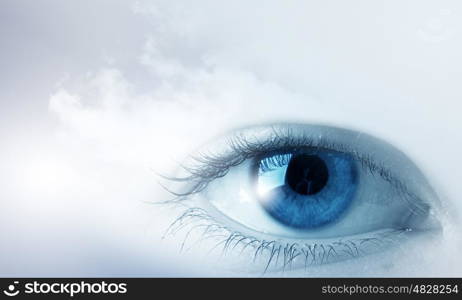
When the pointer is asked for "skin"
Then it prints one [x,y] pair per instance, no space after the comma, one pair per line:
[88,110]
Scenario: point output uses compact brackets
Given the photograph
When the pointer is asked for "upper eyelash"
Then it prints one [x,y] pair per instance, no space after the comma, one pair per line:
[206,167]
[311,253]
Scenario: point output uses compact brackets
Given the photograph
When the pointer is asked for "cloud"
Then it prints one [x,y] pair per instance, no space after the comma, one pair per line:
[206,67]
[142,89]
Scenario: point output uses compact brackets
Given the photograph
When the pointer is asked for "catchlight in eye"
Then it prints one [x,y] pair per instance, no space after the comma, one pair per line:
[306,189]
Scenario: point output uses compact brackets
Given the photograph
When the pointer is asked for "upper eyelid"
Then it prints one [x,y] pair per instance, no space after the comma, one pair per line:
[205,166]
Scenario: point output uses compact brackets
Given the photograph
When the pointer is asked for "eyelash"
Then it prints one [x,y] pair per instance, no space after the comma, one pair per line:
[285,253]
[207,167]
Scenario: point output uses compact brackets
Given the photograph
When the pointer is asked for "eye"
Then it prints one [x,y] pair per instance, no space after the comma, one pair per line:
[319,193]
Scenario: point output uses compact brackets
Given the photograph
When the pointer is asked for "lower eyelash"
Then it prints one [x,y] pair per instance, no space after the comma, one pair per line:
[276,255]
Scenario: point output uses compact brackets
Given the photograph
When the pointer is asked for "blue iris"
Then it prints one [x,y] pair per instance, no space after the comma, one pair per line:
[308,189]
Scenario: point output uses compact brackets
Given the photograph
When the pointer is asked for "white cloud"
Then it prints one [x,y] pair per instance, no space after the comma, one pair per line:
[207,66]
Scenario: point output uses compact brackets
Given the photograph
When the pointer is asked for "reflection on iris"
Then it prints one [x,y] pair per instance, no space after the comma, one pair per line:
[308,189]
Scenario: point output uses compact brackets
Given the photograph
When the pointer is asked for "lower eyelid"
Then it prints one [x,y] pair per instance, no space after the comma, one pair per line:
[267,255]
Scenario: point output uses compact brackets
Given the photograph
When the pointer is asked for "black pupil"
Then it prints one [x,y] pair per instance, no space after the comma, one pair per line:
[306,174]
